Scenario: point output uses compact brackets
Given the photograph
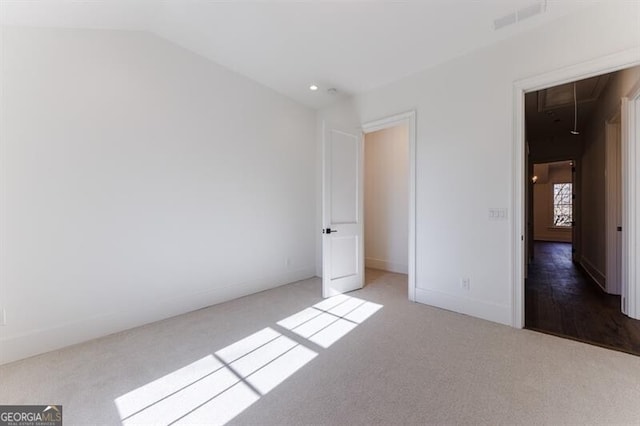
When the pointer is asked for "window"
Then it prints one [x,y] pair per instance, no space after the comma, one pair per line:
[562,200]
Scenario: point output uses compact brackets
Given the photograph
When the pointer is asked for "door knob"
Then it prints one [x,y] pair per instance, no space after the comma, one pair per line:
[328,231]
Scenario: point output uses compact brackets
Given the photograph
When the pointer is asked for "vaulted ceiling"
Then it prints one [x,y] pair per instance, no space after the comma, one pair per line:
[350,46]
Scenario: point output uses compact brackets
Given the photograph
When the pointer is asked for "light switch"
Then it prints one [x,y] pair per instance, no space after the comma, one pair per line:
[497,214]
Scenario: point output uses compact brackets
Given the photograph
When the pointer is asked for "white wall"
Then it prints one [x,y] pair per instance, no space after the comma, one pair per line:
[543,228]
[386,199]
[464,150]
[140,181]
[593,165]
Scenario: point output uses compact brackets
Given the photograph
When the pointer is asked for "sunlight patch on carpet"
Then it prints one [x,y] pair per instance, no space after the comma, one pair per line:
[328,321]
[218,387]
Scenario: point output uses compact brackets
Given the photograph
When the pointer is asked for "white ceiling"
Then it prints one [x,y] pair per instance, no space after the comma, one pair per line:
[353,46]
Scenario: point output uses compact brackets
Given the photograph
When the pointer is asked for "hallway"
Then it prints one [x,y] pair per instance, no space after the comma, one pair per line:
[561,299]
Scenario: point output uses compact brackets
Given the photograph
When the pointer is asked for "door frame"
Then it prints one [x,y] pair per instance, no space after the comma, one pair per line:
[631,234]
[630,156]
[409,119]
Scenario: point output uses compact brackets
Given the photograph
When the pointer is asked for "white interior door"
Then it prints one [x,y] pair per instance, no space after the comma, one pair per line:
[342,211]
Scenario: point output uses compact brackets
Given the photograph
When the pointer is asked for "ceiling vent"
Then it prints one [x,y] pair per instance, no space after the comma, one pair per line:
[505,21]
[520,15]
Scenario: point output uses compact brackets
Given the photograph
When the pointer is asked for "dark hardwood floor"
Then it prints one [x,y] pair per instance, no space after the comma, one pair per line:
[563,300]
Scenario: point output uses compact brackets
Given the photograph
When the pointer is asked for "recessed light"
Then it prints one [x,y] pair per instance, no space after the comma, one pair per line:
[313,87]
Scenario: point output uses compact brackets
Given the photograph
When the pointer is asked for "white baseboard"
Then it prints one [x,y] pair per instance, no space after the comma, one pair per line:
[13,348]
[594,273]
[464,305]
[386,265]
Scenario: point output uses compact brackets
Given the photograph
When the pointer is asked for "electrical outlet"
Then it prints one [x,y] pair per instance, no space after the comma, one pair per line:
[465,283]
[3,317]
[287,262]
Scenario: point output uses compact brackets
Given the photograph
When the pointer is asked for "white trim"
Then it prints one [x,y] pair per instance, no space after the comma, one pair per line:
[605,64]
[626,150]
[630,140]
[409,119]
[386,265]
[56,336]
[518,230]
[469,306]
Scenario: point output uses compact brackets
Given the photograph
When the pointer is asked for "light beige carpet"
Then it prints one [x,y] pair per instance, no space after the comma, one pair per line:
[350,362]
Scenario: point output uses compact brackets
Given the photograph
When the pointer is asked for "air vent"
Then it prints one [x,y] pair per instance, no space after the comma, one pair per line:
[520,15]
[529,11]
[506,20]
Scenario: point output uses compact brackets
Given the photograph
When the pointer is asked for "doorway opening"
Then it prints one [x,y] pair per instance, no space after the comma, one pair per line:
[390,198]
[386,204]
[554,207]
[574,208]
[343,253]
[630,154]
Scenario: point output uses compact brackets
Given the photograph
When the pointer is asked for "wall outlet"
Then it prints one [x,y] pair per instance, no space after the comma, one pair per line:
[3,317]
[465,283]
[287,262]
